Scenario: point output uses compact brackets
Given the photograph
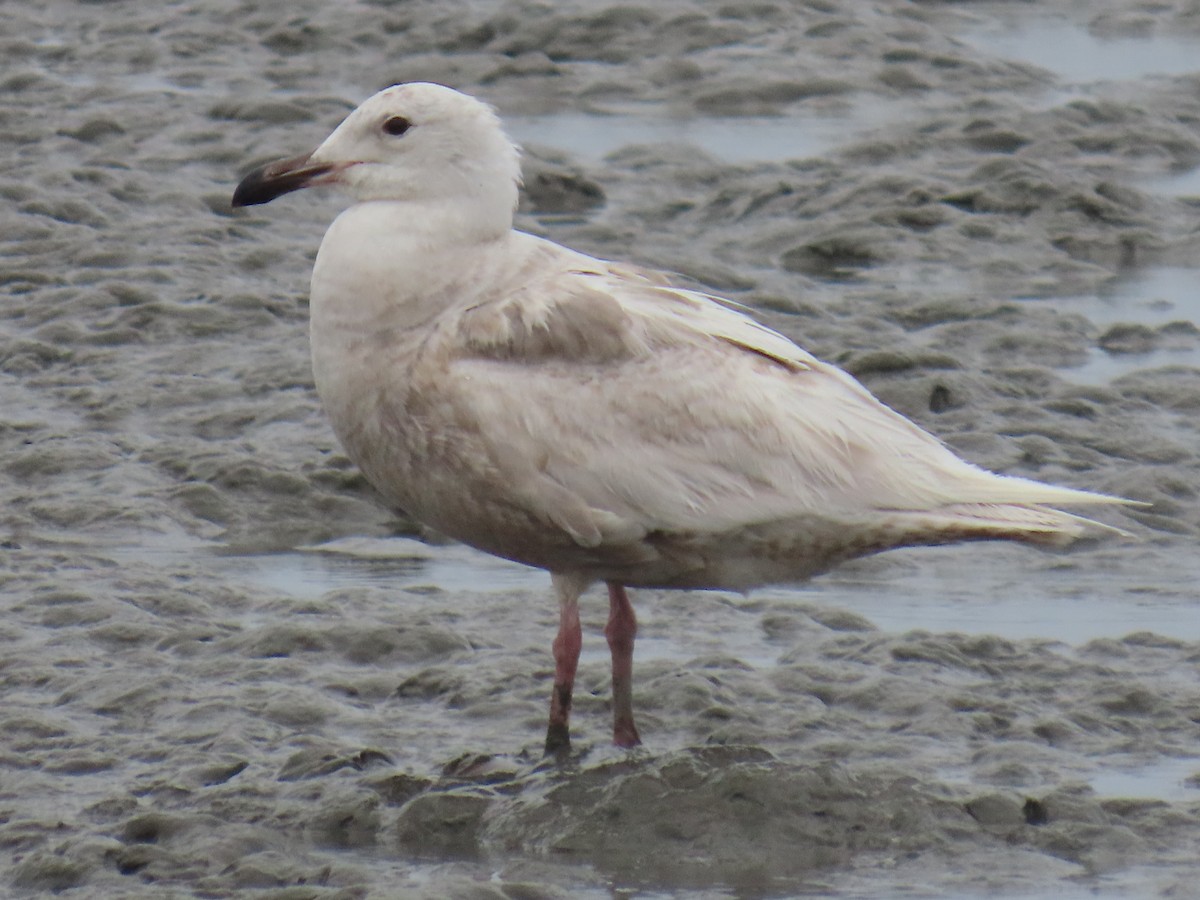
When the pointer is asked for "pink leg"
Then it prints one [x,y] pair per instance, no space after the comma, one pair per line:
[567,645]
[620,631]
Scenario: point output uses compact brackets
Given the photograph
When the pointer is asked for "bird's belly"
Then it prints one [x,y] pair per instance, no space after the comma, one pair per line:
[410,440]
[436,473]
[442,478]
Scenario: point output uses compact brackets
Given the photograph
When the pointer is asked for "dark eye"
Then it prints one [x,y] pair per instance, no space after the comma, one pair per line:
[396,125]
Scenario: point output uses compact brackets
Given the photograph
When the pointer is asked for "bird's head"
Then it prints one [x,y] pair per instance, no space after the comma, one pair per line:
[410,142]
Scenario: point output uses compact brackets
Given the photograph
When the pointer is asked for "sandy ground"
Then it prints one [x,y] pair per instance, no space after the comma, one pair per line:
[980,209]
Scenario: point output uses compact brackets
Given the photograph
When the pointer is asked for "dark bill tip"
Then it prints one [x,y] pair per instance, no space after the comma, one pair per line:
[274,179]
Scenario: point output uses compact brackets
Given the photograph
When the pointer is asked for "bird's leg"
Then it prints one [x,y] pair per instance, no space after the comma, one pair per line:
[566,660]
[620,631]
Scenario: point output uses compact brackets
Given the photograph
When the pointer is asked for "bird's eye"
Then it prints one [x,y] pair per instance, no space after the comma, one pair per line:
[396,125]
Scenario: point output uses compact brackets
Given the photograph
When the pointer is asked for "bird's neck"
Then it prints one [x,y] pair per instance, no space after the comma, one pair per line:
[388,263]
[386,270]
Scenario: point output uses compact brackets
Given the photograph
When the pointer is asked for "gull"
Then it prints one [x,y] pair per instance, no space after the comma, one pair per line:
[588,417]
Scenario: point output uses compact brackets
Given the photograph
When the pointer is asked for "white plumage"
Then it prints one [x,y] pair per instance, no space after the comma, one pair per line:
[587,417]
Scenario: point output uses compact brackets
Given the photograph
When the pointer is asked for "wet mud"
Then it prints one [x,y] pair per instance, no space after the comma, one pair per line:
[229,671]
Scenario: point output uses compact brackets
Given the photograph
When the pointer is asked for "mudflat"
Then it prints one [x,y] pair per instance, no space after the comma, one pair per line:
[228,670]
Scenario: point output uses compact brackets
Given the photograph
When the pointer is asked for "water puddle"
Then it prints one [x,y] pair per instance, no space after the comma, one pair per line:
[742,139]
[307,575]
[1073,53]
[1185,184]
[395,564]
[1172,780]
[413,566]
[1069,604]
[1004,591]
[1151,297]
[1103,367]
[1012,593]
[1169,779]
[1032,609]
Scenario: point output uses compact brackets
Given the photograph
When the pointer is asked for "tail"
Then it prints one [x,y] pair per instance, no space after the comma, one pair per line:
[987,506]
[1030,520]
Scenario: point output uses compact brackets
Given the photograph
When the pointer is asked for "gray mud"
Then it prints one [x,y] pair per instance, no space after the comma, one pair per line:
[988,212]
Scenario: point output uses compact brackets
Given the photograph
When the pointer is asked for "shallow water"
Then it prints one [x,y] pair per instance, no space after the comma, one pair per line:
[1103,367]
[1073,52]
[1071,604]
[1153,297]
[904,591]
[309,575]
[1170,780]
[741,139]
[1185,184]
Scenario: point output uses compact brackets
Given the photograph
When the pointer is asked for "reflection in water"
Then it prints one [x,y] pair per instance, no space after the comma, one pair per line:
[1072,52]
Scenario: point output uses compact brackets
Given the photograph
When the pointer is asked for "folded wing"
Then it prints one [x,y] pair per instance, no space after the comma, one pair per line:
[623,406]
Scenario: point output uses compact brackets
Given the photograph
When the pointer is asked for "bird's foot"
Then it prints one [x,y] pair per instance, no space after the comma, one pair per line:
[625,734]
[558,740]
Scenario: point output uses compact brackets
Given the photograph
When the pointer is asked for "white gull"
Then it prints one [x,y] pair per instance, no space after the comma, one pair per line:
[586,417]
